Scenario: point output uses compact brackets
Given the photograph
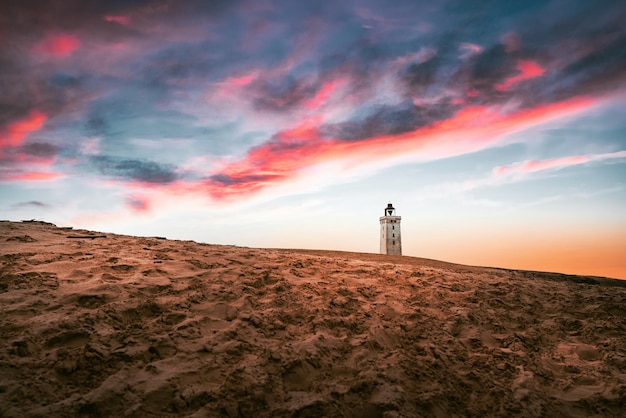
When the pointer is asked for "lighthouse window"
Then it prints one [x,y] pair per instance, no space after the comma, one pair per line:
[393,243]
[393,227]
[394,235]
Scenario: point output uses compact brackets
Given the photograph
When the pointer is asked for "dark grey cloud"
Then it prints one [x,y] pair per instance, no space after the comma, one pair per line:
[43,15]
[96,125]
[389,120]
[601,70]
[135,170]
[40,149]
[422,74]
[12,158]
[281,94]
[30,204]
[179,64]
[491,67]
[225,180]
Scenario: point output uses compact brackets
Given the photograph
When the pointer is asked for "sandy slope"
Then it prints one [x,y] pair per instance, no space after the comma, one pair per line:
[127,326]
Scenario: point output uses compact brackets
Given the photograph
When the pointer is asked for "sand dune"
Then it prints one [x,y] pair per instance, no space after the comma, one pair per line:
[110,325]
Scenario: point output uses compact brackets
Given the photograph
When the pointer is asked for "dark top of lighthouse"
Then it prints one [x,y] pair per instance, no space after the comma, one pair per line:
[389,210]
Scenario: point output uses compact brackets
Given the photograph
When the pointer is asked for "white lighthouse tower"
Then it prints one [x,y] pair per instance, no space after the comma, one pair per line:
[390,238]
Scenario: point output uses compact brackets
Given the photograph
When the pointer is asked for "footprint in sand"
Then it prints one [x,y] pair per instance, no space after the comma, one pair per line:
[109,278]
[154,273]
[91,301]
[80,274]
[22,238]
[200,264]
[122,268]
[75,338]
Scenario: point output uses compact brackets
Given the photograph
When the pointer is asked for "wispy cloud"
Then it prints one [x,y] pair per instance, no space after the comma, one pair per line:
[469,49]
[30,204]
[515,173]
[532,166]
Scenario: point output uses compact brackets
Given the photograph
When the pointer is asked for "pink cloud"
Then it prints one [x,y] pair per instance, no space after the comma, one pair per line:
[242,80]
[229,88]
[33,176]
[15,132]
[531,166]
[138,203]
[293,151]
[527,70]
[469,50]
[321,96]
[270,163]
[57,45]
[419,57]
[122,20]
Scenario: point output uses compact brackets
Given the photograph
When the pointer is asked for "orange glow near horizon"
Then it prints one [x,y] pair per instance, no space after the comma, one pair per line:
[595,249]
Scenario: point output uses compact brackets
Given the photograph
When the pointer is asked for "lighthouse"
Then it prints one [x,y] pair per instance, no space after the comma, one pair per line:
[390,238]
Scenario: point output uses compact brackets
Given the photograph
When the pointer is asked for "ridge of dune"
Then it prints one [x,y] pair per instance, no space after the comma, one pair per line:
[97,324]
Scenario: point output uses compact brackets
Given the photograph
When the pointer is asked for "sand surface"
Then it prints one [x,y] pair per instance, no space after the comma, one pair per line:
[128,326]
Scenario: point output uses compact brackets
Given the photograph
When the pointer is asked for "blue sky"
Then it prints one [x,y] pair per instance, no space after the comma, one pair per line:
[497,129]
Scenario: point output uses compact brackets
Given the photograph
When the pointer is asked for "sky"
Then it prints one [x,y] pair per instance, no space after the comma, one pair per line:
[497,129]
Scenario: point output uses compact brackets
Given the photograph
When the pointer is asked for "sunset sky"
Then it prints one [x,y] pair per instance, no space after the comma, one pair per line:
[496,128]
